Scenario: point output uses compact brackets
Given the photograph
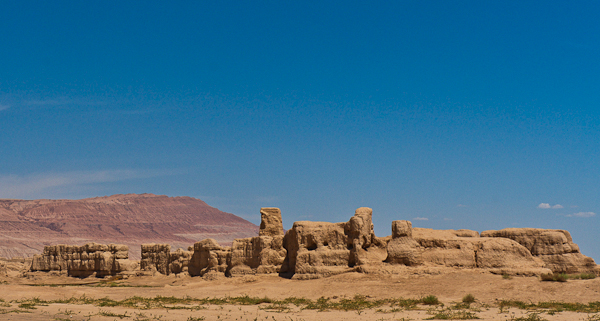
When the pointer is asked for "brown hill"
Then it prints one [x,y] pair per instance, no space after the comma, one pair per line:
[27,226]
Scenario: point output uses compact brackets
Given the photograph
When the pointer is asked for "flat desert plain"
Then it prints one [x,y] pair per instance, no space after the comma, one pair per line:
[435,295]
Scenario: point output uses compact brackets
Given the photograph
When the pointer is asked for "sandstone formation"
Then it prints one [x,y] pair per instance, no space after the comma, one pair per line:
[82,261]
[554,247]
[317,249]
[27,226]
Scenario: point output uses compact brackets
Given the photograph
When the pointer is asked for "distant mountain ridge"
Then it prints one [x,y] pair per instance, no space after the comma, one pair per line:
[26,226]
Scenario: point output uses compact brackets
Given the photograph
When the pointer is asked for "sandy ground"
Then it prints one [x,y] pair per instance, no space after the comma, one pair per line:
[449,287]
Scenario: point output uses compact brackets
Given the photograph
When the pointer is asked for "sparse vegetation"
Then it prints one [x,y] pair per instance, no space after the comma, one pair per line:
[111,314]
[357,303]
[591,307]
[454,315]
[582,276]
[113,284]
[467,309]
[109,284]
[430,300]
[530,317]
[30,306]
[506,276]
[554,277]
[7,311]
[513,304]
[468,299]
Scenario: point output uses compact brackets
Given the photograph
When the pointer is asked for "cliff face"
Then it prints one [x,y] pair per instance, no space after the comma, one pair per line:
[27,226]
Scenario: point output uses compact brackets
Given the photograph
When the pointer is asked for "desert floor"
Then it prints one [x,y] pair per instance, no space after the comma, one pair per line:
[350,296]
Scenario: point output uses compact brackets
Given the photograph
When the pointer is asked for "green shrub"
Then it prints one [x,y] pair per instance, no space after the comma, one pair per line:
[430,300]
[530,317]
[583,276]
[556,277]
[469,298]
[449,315]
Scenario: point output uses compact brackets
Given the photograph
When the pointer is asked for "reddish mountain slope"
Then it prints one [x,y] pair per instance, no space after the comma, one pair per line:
[27,226]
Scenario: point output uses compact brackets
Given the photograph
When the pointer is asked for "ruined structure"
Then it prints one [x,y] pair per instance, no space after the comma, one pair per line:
[82,261]
[156,257]
[321,249]
[555,248]
[317,249]
[264,253]
[209,257]
[261,254]
[466,249]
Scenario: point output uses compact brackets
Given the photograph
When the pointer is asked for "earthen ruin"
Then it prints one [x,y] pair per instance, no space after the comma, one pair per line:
[318,249]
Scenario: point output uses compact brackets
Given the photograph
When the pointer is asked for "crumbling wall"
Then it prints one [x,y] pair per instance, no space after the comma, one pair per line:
[205,256]
[466,249]
[208,257]
[554,247]
[179,260]
[81,261]
[156,257]
[317,249]
[264,253]
[402,248]
[365,247]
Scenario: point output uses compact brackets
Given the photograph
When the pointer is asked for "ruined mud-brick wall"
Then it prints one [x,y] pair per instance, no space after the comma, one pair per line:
[321,248]
[101,259]
[156,257]
[458,248]
[209,257]
[15,265]
[555,248]
[203,257]
[180,260]
[317,249]
[261,254]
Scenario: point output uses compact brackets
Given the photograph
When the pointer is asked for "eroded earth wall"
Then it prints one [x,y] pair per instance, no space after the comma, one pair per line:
[81,261]
[555,248]
[317,249]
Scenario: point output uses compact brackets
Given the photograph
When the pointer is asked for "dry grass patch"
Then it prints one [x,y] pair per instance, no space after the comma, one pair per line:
[554,277]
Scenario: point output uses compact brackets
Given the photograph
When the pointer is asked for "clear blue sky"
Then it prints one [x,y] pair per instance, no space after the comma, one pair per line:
[451,114]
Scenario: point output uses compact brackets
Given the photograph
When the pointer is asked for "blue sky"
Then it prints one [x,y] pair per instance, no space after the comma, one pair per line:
[449,114]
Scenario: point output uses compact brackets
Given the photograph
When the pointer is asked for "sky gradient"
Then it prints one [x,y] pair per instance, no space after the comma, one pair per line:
[449,114]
